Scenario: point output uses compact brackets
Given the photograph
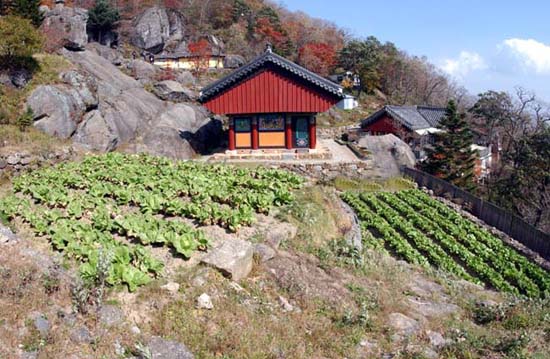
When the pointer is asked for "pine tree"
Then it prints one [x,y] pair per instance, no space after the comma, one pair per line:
[451,156]
[102,18]
[28,9]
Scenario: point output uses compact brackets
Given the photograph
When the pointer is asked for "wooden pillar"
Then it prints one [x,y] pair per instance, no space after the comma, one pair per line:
[255,136]
[312,132]
[231,135]
[288,132]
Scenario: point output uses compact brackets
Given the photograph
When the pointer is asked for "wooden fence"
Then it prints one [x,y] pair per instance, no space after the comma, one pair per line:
[491,214]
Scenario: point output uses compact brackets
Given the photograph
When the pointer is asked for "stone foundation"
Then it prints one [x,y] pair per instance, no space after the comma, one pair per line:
[327,171]
[17,162]
[319,153]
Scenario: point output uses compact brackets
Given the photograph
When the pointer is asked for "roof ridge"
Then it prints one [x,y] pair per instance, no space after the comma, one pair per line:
[431,107]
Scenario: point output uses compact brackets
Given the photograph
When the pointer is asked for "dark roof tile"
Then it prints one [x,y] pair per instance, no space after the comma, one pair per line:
[259,62]
[412,117]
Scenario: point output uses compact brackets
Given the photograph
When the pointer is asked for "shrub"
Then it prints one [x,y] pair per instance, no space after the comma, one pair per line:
[25,120]
[19,40]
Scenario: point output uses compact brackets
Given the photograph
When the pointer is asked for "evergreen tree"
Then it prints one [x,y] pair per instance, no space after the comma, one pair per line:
[102,18]
[451,157]
[28,9]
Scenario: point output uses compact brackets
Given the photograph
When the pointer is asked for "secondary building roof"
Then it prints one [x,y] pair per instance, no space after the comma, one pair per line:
[411,117]
[270,58]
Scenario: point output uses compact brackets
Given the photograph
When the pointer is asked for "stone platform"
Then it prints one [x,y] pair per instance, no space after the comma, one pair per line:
[275,154]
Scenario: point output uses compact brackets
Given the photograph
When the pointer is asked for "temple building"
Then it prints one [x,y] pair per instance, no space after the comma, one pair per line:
[271,102]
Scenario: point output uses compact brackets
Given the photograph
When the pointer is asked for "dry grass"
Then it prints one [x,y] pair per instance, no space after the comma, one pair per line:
[31,140]
[250,323]
[391,184]
[33,284]
[12,100]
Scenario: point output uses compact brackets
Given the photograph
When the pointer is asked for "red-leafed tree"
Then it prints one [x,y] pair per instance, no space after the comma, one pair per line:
[319,58]
[201,52]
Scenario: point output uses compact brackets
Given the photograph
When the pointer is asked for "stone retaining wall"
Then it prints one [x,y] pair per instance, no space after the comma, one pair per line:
[328,171]
[20,161]
[335,132]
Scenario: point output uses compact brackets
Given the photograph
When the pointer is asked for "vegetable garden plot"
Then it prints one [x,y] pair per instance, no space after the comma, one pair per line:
[85,208]
[424,231]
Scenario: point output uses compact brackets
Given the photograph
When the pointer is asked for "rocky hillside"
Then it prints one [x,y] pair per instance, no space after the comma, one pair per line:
[103,101]
[102,108]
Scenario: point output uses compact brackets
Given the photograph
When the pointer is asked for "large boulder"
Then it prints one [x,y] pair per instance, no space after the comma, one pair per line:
[152,29]
[169,90]
[68,24]
[94,133]
[233,258]
[156,28]
[59,108]
[20,77]
[233,61]
[142,70]
[177,29]
[402,324]
[84,87]
[108,53]
[101,108]
[160,348]
[389,153]
[185,78]
[171,134]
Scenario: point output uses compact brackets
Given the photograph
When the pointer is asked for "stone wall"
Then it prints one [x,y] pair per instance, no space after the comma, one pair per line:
[16,162]
[335,132]
[329,170]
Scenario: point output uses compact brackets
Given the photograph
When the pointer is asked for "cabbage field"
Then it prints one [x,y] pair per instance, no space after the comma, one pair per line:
[424,231]
[119,205]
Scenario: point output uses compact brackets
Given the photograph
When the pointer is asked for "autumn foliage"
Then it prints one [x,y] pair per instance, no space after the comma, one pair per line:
[319,58]
[201,52]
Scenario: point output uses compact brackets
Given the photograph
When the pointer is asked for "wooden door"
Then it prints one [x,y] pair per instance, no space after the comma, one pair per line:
[300,129]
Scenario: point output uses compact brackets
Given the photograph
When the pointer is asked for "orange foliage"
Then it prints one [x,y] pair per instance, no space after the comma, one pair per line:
[201,51]
[267,31]
[319,58]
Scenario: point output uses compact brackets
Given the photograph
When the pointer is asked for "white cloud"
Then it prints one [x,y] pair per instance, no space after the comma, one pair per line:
[531,53]
[464,64]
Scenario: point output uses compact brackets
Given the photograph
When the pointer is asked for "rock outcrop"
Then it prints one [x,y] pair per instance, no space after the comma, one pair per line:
[389,153]
[233,61]
[101,108]
[68,24]
[59,108]
[169,90]
[142,70]
[233,258]
[168,349]
[156,28]
[106,52]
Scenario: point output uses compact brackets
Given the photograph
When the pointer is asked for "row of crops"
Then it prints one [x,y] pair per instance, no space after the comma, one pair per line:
[424,231]
[118,205]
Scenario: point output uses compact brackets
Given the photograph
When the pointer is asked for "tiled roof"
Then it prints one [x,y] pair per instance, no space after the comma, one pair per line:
[432,114]
[270,58]
[412,117]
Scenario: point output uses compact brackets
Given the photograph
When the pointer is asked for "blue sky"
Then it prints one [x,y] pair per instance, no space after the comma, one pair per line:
[483,44]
